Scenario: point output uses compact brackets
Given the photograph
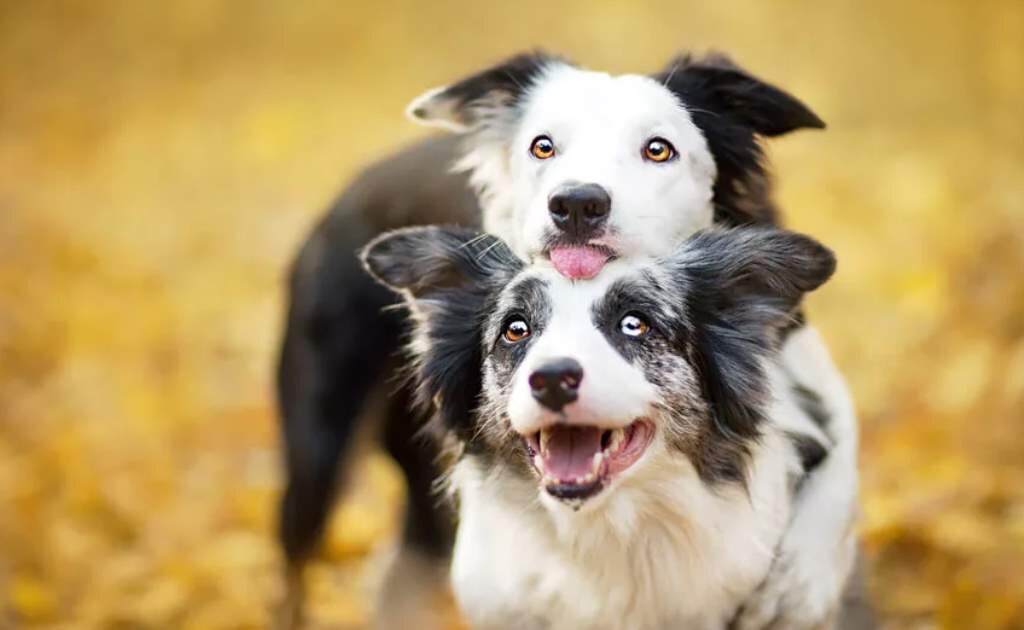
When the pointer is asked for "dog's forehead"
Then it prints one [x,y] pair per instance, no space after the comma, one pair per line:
[569,91]
[541,282]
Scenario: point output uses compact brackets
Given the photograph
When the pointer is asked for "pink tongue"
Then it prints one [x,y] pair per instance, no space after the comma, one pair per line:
[578,262]
[570,451]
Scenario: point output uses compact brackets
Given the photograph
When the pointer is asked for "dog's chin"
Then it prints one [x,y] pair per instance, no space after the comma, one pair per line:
[576,463]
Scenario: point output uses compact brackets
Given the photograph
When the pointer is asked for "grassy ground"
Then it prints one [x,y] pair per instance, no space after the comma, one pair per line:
[159,164]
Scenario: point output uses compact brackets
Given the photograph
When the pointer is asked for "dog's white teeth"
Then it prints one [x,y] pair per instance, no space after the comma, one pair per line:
[590,477]
[545,437]
[618,436]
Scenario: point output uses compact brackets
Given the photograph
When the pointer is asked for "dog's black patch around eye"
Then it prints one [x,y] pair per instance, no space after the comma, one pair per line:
[506,356]
[529,297]
[644,298]
[528,300]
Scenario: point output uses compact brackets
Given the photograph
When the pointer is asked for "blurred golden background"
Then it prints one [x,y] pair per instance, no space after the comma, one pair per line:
[161,162]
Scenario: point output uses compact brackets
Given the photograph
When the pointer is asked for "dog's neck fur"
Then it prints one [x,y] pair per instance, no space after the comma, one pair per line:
[666,550]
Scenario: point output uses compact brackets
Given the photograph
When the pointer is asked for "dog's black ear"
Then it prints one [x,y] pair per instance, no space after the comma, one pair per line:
[423,261]
[762,270]
[741,288]
[449,276]
[715,84]
[472,102]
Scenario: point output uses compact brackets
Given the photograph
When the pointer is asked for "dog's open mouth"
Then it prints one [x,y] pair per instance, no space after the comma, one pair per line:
[580,262]
[576,462]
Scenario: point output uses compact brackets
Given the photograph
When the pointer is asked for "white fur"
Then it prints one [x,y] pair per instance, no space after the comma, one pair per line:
[821,542]
[663,550]
[599,124]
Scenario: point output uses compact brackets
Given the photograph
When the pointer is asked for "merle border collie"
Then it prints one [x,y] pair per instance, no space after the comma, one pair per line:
[574,169]
[628,449]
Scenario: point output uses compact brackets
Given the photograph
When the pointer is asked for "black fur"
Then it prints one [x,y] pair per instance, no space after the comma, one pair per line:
[472,100]
[732,108]
[531,306]
[740,289]
[429,526]
[812,404]
[717,81]
[326,373]
[340,344]
[646,299]
[811,451]
[742,286]
[452,274]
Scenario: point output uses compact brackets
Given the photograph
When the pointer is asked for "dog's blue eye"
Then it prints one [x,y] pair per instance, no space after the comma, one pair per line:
[633,326]
[516,330]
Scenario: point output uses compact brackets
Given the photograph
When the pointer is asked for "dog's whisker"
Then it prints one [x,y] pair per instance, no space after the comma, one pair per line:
[515,81]
[672,72]
[487,250]
[473,241]
[702,111]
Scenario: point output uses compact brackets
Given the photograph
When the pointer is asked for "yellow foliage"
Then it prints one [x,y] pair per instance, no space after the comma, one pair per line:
[161,162]
[32,598]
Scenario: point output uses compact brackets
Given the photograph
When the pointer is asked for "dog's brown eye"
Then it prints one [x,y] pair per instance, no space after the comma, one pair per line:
[659,150]
[542,148]
[516,331]
[633,326]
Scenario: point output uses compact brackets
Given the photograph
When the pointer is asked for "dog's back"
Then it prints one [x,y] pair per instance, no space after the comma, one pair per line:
[340,344]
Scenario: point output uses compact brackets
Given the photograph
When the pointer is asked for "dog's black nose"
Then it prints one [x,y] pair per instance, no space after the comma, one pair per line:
[557,383]
[580,210]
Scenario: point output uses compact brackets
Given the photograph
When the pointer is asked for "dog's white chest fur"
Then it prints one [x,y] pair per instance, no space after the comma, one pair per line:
[665,551]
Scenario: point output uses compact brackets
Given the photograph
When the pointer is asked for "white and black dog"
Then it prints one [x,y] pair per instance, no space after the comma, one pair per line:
[576,170]
[630,449]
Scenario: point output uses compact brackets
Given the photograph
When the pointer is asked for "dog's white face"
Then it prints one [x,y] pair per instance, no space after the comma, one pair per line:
[582,373]
[574,383]
[569,321]
[628,136]
[578,168]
